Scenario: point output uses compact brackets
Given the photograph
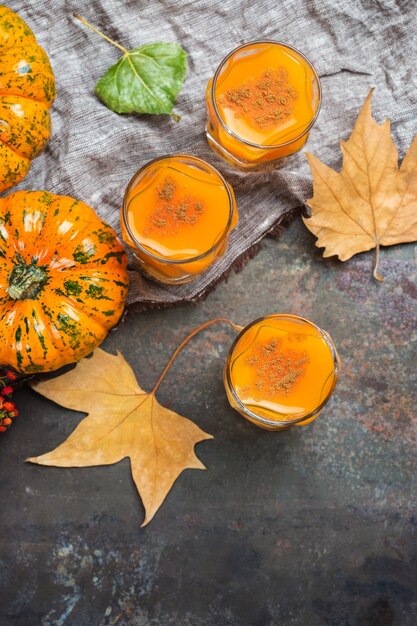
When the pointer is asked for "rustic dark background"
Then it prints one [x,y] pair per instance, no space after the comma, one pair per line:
[310,527]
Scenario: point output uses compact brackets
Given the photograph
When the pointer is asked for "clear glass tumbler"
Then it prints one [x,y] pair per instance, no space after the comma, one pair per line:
[176,216]
[281,371]
[262,102]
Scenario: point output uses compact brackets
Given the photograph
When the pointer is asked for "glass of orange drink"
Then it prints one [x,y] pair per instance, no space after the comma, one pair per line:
[262,102]
[281,371]
[176,216]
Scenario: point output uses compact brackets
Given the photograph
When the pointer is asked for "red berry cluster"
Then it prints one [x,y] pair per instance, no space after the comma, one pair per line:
[8,410]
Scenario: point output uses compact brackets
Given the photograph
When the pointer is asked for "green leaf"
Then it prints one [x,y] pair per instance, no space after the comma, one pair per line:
[144,80]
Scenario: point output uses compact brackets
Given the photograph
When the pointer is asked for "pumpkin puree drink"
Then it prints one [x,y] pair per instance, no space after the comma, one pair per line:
[262,102]
[176,215]
[281,371]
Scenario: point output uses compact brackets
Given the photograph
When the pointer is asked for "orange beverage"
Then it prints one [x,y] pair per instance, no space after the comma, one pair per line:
[177,214]
[262,101]
[281,371]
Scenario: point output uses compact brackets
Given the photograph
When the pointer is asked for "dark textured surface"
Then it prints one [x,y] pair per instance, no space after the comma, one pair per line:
[310,527]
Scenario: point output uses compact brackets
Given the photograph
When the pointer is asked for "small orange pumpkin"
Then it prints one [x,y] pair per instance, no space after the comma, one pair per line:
[27,90]
[63,280]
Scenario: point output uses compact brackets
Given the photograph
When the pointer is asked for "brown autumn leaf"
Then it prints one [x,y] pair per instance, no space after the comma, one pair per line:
[122,421]
[371,202]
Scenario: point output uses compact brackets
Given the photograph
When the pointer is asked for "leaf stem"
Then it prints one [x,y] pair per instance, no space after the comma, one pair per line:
[375,272]
[84,21]
[186,340]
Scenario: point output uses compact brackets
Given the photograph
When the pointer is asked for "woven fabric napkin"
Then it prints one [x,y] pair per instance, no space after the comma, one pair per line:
[94,152]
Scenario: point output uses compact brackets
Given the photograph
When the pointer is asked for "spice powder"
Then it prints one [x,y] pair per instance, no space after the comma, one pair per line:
[265,102]
[173,211]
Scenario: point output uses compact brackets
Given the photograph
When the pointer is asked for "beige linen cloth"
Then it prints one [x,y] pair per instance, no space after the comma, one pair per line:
[94,152]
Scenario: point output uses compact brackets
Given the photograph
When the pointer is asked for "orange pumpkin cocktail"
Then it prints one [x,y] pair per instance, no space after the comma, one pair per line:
[177,214]
[262,101]
[281,371]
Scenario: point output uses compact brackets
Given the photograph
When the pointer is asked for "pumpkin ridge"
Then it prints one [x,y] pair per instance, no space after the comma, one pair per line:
[85,232]
[34,323]
[9,92]
[11,176]
[74,211]
[84,309]
[24,97]
[9,147]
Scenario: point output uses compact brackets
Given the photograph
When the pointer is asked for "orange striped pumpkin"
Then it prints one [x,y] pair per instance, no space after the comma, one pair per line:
[27,90]
[63,280]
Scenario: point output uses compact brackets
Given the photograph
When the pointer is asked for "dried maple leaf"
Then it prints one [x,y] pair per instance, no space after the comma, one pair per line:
[370,203]
[123,421]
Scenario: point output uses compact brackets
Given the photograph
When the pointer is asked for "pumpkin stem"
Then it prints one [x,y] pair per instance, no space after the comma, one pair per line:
[26,281]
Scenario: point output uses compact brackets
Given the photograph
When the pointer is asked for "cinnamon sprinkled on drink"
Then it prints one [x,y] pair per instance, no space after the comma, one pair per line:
[277,370]
[173,210]
[266,101]
[167,189]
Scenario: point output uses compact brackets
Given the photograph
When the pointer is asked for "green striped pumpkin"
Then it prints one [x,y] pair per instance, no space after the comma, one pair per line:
[27,91]
[63,280]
